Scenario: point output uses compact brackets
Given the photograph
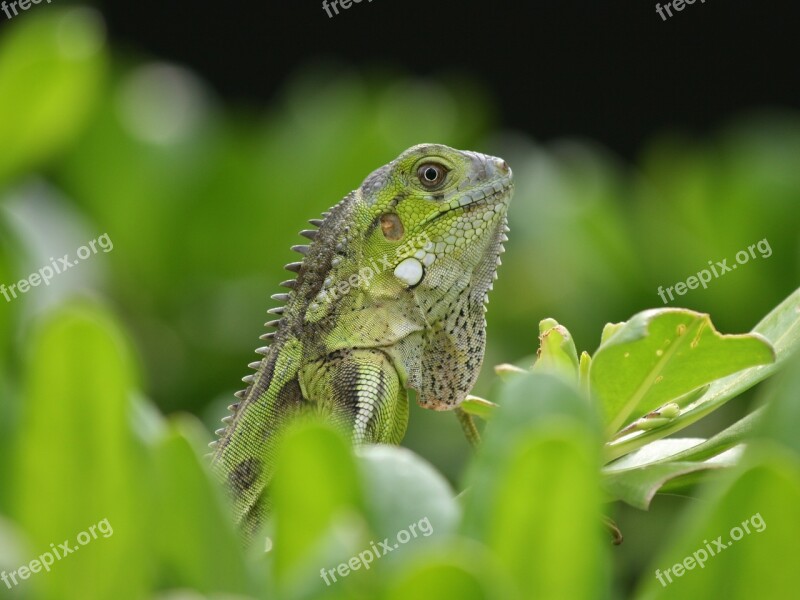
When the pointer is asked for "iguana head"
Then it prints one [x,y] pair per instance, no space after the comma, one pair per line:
[404,263]
[449,205]
[439,215]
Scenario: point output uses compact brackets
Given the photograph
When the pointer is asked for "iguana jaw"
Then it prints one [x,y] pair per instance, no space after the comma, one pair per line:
[493,193]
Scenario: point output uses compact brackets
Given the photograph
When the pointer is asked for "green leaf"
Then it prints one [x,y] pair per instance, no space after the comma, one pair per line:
[663,354]
[78,463]
[728,438]
[451,573]
[584,369]
[781,328]
[761,498]
[51,68]
[557,351]
[197,545]
[316,485]
[658,451]
[534,489]
[402,490]
[479,407]
[781,415]
[637,486]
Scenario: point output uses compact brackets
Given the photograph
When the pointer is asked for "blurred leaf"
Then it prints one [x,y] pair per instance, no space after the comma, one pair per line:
[781,415]
[534,490]
[449,574]
[401,490]
[77,462]
[546,514]
[662,354]
[51,67]
[197,545]
[11,552]
[765,495]
[781,328]
[316,482]
[9,377]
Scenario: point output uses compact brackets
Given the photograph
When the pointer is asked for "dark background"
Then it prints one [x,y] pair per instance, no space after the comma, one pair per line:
[610,70]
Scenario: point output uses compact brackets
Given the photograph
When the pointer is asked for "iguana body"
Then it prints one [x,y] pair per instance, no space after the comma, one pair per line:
[390,296]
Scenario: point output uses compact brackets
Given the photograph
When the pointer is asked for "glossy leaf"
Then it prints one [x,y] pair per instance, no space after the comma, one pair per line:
[781,328]
[661,355]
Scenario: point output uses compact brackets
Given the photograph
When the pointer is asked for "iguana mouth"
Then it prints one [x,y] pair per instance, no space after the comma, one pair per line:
[485,194]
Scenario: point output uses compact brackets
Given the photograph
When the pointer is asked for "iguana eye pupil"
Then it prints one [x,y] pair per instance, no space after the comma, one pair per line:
[431,175]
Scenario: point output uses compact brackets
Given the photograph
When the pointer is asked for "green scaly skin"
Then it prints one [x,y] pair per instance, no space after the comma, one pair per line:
[390,296]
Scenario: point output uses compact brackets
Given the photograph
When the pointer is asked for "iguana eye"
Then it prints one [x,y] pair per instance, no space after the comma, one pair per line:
[431,175]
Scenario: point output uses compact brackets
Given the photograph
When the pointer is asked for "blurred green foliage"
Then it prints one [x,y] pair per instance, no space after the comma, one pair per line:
[202,202]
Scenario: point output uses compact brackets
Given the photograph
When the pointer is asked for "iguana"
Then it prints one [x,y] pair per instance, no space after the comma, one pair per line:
[390,296]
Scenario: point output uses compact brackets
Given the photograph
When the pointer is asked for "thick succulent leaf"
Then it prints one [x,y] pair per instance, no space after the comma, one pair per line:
[689,449]
[723,441]
[781,327]
[663,354]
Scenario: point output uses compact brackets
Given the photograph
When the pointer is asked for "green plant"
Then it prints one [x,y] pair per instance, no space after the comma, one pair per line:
[658,373]
[528,524]
[83,388]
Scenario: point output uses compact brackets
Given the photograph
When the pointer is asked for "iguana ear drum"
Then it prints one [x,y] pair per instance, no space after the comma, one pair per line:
[392,227]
